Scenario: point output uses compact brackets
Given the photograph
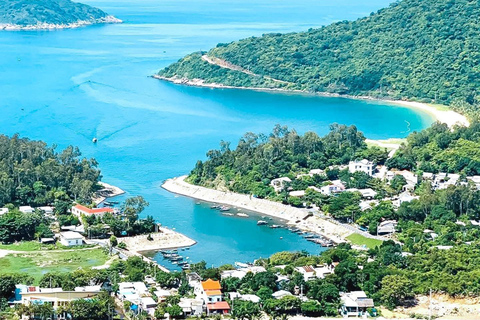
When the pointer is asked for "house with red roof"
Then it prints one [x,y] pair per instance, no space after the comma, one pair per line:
[79,210]
[210,292]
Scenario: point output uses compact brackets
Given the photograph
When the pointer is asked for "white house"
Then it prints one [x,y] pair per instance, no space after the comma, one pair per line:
[279,183]
[191,307]
[298,194]
[79,210]
[281,293]
[233,274]
[332,188]
[361,166]
[3,211]
[47,209]
[26,209]
[387,227]
[308,272]
[245,297]
[368,193]
[355,304]
[70,238]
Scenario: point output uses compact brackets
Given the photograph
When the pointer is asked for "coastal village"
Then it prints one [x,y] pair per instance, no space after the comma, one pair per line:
[319,223]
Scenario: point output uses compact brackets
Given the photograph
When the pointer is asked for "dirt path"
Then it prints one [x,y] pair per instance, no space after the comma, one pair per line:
[227,65]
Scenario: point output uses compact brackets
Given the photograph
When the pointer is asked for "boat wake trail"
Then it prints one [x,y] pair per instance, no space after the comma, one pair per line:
[408,127]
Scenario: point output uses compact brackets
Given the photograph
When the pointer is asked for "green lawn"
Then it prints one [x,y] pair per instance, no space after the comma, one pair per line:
[359,240]
[36,246]
[38,263]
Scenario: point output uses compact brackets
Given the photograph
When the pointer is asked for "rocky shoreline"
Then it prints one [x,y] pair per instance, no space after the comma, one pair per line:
[51,26]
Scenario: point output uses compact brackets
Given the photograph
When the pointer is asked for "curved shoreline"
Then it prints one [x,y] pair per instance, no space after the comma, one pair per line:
[449,117]
[300,218]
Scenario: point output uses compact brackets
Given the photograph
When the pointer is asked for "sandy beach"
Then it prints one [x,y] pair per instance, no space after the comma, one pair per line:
[293,216]
[449,117]
[165,239]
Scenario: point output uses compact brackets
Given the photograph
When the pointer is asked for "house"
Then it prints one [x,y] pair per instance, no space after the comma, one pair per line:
[279,183]
[361,166]
[26,209]
[307,271]
[79,210]
[323,271]
[193,279]
[280,294]
[162,294]
[368,193]
[335,187]
[387,227]
[233,274]
[221,307]
[47,210]
[191,307]
[3,211]
[355,304]
[71,238]
[245,297]
[56,297]
[211,293]
[406,197]
[148,305]
[298,194]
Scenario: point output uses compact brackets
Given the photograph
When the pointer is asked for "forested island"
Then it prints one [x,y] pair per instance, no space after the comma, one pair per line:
[424,51]
[49,14]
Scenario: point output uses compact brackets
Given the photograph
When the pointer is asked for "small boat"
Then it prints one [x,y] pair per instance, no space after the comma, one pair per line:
[94,140]
[243,215]
[227,214]
[197,203]
[214,207]
[281,238]
[275,226]
[224,208]
[261,222]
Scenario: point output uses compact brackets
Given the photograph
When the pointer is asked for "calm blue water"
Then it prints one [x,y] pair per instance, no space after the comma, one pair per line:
[66,87]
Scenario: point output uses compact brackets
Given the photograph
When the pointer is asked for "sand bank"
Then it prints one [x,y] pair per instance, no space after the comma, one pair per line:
[299,218]
[53,26]
[165,239]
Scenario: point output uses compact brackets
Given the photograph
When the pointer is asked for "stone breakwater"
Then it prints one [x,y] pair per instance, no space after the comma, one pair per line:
[51,26]
[299,218]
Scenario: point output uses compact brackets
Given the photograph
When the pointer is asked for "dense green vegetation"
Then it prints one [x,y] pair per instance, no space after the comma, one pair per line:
[32,173]
[439,149]
[424,50]
[258,159]
[28,12]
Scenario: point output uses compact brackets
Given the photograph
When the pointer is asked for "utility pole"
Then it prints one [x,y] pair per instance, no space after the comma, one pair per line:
[430,306]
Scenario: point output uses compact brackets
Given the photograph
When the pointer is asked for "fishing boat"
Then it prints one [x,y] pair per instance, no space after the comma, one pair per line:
[214,207]
[224,208]
[243,215]
[275,226]
[262,222]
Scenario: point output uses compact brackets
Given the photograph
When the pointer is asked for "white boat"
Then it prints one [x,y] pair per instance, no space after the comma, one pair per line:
[243,215]
[262,222]
[227,214]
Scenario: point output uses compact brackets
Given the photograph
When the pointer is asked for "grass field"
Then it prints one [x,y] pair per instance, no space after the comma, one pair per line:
[36,246]
[359,240]
[38,263]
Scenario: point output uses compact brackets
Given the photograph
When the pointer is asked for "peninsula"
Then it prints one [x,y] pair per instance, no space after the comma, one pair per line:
[404,52]
[49,14]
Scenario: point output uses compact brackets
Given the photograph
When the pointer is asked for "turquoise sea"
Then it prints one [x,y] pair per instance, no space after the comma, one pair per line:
[66,87]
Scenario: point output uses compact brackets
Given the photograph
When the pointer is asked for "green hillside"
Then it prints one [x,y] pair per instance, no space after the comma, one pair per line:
[423,50]
[60,12]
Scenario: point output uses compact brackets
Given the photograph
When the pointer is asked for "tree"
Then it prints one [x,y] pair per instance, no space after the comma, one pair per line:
[245,310]
[395,290]
[175,311]
[7,286]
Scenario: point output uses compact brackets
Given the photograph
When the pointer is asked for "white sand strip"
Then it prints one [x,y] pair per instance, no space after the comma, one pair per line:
[294,216]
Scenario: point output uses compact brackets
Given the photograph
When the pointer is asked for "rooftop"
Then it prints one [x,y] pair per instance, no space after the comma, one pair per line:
[71,235]
[222,305]
[211,285]
[92,211]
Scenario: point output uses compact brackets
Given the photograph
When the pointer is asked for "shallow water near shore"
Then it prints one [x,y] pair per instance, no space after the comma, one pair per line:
[66,87]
